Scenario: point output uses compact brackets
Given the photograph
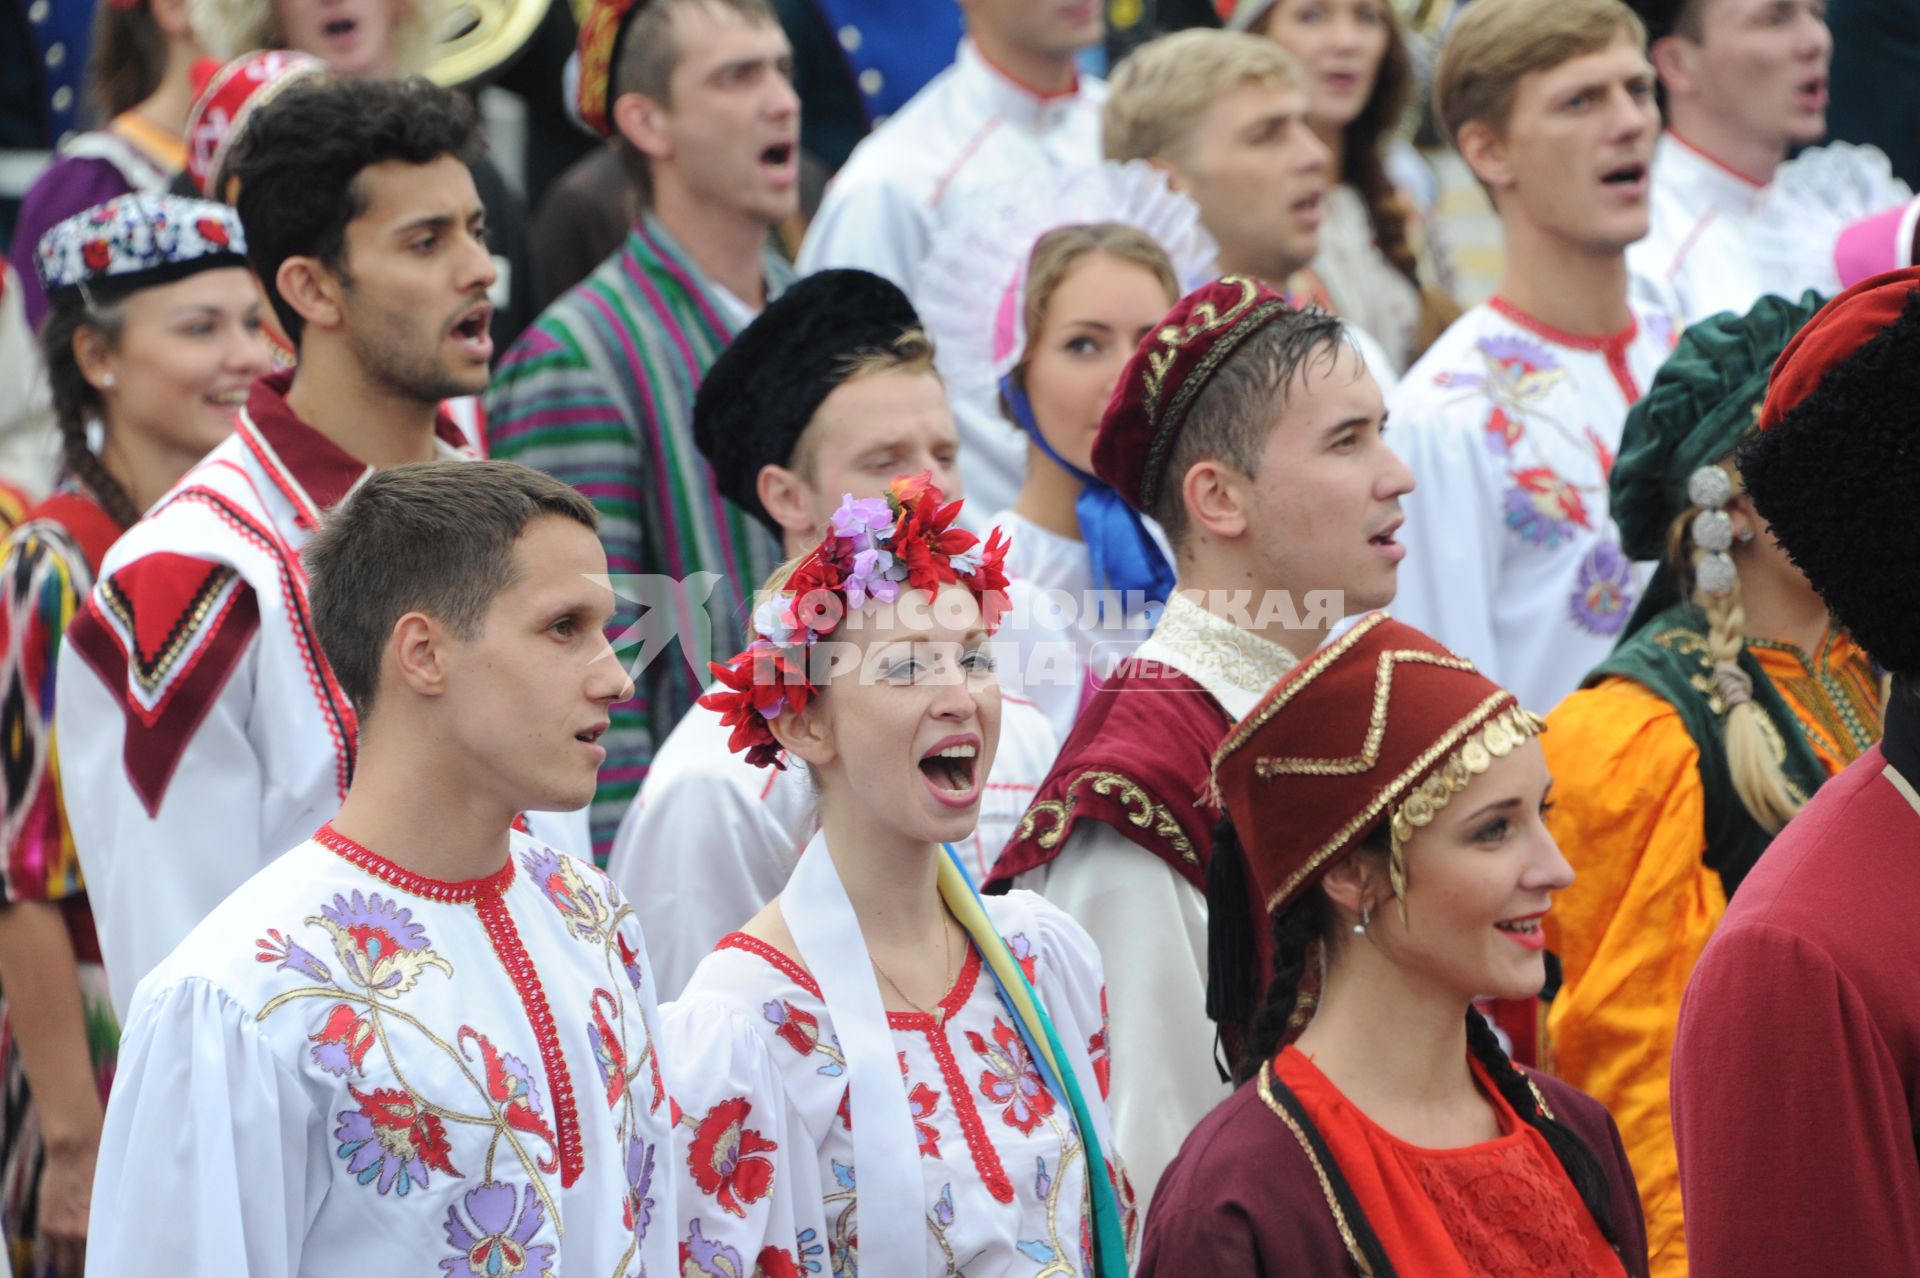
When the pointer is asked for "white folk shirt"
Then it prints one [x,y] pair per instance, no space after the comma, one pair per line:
[201,731]
[1053,644]
[970,127]
[761,1084]
[710,839]
[1511,428]
[1718,240]
[1151,925]
[349,1068]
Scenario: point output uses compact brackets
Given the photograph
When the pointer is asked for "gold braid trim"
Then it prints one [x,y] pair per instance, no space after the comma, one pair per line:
[1141,810]
[1326,1186]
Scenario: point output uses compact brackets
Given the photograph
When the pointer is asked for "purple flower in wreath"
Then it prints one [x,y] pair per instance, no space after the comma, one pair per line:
[866,521]
[713,1259]
[639,1200]
[285,953]
[493,1236]
[1605,590]
[378,943]
[876,575]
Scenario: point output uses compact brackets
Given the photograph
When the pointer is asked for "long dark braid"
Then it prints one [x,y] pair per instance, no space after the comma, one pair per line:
[76,402]
[1583,1169]
[1296,932]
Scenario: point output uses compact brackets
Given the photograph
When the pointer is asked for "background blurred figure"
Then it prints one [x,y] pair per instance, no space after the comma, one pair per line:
[1732,218]
[1513,418]
[140,80]
[151,341]
[1876,79]
[1359,80]
[856,63]
[1729,700]
[600,391]
[1013,105]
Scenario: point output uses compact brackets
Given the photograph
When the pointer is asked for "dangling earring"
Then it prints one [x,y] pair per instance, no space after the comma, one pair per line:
[1366,917]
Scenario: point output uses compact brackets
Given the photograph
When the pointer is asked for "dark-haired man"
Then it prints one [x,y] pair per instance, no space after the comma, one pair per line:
[1745,84]
[418,1040]
[830,392]
[599,392]
[1253,433]
[202,732]
[1796,1067]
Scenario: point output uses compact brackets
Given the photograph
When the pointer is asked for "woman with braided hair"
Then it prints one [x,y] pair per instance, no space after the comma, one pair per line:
[1730,699]
[152,337]
[1386,803]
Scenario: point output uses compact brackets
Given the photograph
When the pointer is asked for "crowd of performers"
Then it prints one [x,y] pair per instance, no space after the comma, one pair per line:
[1355,785]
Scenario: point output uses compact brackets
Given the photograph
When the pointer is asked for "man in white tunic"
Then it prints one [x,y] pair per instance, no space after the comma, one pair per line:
[1253,433]
[420,1040]
[1745,82]
[831,392]
[1511,420]
[201,731]
[1013,104]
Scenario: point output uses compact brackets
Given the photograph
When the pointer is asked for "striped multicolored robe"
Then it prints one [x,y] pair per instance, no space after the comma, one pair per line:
[599,393]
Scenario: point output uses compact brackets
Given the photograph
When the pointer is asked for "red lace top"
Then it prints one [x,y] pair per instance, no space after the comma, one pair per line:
[1501,1209]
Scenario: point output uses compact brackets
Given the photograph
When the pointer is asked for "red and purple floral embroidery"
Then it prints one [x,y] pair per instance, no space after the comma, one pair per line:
[728,1159]
[342,1043]
[1010,1079]
[393,1138]
[492,1230]
[382,949]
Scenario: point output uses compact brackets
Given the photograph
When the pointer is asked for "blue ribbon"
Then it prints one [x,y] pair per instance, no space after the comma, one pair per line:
[1125,555]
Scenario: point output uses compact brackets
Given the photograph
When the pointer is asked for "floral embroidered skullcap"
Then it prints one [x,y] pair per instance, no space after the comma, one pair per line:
[234,91]
[136,241]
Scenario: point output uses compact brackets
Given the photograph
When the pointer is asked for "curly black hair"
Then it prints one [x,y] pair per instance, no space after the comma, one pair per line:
[1833,479]
[298,160]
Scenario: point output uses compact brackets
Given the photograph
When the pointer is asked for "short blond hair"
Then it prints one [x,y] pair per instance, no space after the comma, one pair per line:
[911,352]
[1157,96]
[1495,42]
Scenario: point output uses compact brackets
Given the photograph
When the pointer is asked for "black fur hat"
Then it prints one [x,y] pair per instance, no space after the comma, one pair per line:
[764,389]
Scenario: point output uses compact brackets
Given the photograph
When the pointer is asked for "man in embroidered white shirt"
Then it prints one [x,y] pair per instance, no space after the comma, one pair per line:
[1512,418]
[419,1040]
[1254,434]
[1745,82]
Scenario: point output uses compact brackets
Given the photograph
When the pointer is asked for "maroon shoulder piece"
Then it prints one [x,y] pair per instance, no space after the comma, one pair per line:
[1137,760]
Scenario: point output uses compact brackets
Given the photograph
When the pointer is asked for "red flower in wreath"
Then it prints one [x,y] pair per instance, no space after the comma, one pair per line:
[758,686]
[728,1158]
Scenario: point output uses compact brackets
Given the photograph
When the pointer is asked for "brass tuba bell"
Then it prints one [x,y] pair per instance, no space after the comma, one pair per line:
[478,37]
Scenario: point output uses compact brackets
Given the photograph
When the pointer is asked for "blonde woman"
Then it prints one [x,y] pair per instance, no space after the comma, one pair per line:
[1729,701]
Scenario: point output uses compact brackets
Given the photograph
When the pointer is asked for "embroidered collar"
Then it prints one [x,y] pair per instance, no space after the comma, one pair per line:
[312,471]
[491,885]
[1715,176]
[993,92]
[1611,344]
[1235,665]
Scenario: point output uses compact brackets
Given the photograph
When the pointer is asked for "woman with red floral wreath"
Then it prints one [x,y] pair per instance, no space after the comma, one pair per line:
[879,1068]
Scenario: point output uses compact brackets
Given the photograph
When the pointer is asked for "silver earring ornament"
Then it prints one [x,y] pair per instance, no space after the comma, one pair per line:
[1711,488]
[106,380]
[1366,918]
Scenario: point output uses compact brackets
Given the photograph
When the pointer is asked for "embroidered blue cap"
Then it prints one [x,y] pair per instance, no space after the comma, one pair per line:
[139,240]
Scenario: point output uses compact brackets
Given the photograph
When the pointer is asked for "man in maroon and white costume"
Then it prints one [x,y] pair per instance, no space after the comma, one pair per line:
[201,730]
[1253,433]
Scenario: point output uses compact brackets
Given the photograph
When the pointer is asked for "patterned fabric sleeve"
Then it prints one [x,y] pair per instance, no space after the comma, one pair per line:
[43,581]
[748,1186]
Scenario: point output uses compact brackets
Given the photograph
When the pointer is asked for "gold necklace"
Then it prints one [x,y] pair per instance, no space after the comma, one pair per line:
[939,1014]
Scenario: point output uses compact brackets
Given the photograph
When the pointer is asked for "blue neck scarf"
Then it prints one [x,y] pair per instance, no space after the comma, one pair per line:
[1126,558]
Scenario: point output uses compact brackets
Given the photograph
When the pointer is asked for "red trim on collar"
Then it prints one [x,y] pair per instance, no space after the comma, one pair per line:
[408,881]
[311,471]
[1614,346]
[1746,179]
[1022,86]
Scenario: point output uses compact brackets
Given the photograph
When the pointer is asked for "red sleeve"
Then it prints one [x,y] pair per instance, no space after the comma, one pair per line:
[165,633]
[1795,1134]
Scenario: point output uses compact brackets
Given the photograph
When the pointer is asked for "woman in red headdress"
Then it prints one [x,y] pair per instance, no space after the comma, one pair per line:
[1389,800]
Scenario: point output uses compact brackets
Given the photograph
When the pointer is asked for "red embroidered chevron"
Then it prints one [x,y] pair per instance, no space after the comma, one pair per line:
[177,629]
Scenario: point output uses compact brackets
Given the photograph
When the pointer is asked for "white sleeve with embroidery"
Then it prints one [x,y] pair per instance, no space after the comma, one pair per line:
[749,1196]
[1150,927]
[204,1160]
[152,876]
[698,857]
[1451,576]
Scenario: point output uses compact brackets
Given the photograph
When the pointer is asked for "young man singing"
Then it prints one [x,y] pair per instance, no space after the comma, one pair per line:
[419,1040]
